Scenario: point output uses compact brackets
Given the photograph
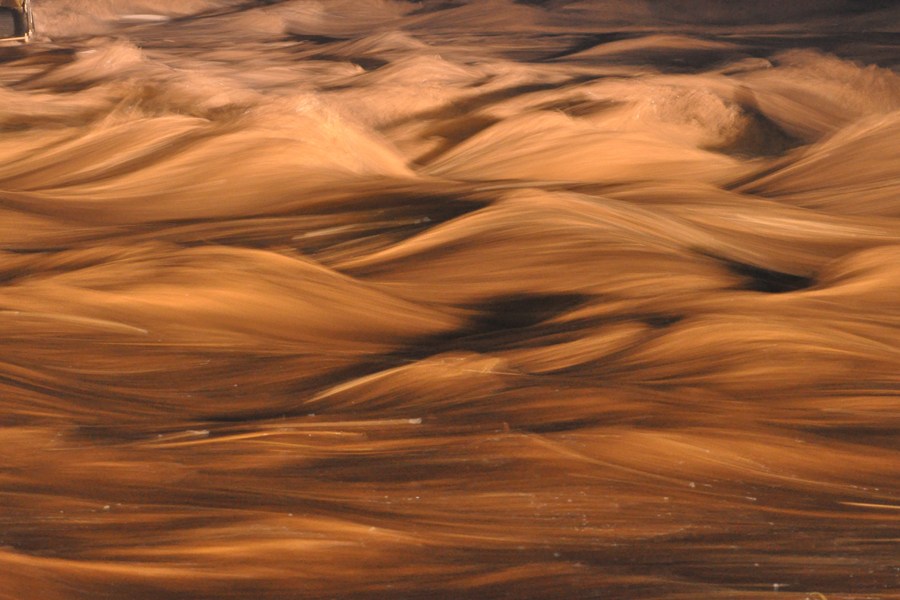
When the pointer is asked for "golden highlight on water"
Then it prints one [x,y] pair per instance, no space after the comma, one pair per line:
[384,299]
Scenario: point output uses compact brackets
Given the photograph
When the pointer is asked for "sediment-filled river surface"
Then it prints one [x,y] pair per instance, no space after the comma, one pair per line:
[383,299]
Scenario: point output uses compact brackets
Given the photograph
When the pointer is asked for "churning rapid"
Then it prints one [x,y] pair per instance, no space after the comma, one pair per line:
[383,299]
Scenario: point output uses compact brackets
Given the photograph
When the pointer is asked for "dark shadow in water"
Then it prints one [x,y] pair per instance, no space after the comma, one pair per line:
[522,320]
[368,63]
[316,39]
[758,279]
[520,311]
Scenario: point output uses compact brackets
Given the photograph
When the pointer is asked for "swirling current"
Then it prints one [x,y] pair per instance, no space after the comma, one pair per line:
[384,299]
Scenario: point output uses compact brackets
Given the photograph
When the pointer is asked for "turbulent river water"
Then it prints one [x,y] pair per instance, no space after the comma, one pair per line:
[373,299]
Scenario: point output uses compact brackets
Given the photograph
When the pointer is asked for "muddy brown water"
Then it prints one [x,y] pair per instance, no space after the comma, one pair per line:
[415,300]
